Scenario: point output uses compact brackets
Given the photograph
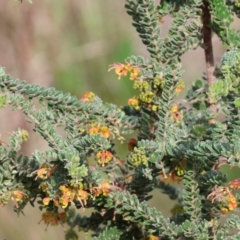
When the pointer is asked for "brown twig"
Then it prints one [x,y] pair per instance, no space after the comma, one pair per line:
[207,40]
[208,47]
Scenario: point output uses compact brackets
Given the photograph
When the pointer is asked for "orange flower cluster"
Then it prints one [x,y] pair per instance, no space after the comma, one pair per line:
[88,96]
[123,69]
[45,171]
[171,177]
[47,200]
[70,194]
[231,203]
[53,218]
[17,196]
[225,196]
[235,184]
[175,113]
[179,87]
[104,157]
[150,237]
[176,175]
[103,189]
[102,130]
[133,102]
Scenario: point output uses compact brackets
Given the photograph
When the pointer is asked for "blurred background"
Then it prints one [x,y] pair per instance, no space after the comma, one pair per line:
[69,45]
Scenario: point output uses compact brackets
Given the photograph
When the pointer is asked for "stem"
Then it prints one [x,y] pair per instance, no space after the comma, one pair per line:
[207,40]
[208,48]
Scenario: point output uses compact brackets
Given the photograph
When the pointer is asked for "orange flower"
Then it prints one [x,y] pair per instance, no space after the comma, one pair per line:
[63,201]
[104,157]
[70,194]
[235,184]
[172,177]
[212,121]
[174,108]
[88,96]
[176,117]
[17,196]
[123,69]
[105,187]
[224,210]
[180,86]
[152,237]
[134,73]
[53,218]
[232,206]
[102,130]
[225,197]
[96,191]
[46,200]
[93,130]
[232,202]
[120,69]
[133,102]
[81,195]
[45,171]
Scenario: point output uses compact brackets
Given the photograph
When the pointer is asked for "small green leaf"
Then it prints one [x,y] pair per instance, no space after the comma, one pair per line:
[202,106]
[198,83]
[237,102]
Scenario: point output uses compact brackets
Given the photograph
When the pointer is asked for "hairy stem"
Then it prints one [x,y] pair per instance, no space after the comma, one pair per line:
[208,48]
[207,40]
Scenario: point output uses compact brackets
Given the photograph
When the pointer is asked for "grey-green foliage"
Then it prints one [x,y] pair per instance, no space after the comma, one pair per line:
[174,142]
[230,58]
[109,234]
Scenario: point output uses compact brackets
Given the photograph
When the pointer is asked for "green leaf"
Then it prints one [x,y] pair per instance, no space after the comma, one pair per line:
[202,106]
[237,102]
[198,83]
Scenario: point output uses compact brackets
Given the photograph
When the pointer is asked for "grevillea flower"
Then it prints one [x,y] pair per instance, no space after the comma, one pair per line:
[224,196]
[123,69]
[70,194]
[134,73]
[17,196]
[88,96]
[174,108]
[231,202]
[45,171]
[104,157]
[47,200]
[235,184]
[176,116]
[171,177]
[103,189]
[93,130]
[53,218]
[133,102]
[180,86]
[102,130]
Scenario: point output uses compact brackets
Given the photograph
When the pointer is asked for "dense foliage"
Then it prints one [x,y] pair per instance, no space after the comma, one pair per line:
[176,141]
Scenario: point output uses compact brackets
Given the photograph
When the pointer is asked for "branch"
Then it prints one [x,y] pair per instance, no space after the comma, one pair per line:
[207,40]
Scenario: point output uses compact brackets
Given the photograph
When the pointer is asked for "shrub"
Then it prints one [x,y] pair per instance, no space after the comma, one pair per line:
[176,142]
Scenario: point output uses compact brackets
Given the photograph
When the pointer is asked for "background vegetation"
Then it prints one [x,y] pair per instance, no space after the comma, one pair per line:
[69,45]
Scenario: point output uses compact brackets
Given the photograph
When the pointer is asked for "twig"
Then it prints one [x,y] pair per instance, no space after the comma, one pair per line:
[208,48]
